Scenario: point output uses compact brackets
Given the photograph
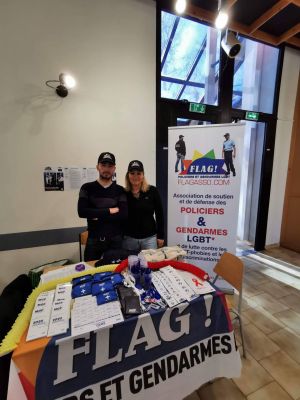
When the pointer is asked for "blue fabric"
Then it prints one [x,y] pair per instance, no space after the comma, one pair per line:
[82,290]
[106,297]
[117,279]
[81,280]
[102,287]
[120,336]
[102,276]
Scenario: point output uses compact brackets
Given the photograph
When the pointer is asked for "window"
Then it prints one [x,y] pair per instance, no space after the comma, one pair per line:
[255,70]
[190,55]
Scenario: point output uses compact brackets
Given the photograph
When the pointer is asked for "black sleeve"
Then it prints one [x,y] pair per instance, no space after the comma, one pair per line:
[122,215]
[123,206]
[183,149]
[159,214]
[84,209]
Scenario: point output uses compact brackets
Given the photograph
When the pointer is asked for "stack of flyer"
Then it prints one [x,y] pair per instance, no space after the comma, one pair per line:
[87,316]
[51,313]
[60,313]
[40,316]
[176,286]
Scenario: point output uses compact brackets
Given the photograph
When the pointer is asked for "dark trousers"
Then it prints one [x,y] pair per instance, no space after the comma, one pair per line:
[180,158]
[229,162]
[96,247]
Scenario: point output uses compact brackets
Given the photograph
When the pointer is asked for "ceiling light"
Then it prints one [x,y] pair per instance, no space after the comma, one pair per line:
[221,20]
[180,6]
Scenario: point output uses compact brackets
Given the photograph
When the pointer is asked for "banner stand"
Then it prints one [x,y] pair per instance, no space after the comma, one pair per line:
[204,177]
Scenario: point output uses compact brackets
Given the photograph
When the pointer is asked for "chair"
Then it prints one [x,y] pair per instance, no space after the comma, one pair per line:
[231,269]
[83,236]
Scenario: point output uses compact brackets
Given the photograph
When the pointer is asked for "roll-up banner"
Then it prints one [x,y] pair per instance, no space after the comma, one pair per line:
[204,177]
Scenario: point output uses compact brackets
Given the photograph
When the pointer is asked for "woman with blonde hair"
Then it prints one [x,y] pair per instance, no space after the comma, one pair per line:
[142,230]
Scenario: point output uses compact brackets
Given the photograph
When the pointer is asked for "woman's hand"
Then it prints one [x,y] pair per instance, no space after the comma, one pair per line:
[160,243]
[114,210]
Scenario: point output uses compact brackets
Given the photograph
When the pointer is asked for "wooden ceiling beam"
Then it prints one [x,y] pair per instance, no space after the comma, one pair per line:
[208,16]
[294,41]
[296,2]
[200,13]
[288,34]
[264,37]
[280,5]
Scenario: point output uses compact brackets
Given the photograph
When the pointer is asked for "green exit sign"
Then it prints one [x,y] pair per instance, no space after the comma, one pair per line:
[252,116]
[196,107]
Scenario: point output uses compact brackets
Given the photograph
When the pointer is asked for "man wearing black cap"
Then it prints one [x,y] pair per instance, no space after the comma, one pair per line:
[227,153]
[104,204]
[181,152]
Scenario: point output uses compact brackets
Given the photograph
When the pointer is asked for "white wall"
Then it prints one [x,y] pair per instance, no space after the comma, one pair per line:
[109,46]
[287,98]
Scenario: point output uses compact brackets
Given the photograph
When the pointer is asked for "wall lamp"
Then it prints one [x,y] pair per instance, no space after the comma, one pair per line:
[65,82]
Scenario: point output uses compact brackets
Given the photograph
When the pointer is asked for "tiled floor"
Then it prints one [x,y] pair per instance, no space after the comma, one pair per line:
[284,255]
[271,315]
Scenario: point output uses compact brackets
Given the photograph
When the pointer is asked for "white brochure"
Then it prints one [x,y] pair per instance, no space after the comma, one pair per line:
[87,316]
[40,316]
[198,285]
[178,283]
[164,288]
[60,313]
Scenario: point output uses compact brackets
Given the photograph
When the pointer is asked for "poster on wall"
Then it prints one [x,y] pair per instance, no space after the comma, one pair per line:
[54,179]
[67,178]
[204,176]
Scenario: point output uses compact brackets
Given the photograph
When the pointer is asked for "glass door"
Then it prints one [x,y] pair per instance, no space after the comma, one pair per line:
[250,182]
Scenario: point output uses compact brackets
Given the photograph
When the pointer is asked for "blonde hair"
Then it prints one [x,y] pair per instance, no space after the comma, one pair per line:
[128,187]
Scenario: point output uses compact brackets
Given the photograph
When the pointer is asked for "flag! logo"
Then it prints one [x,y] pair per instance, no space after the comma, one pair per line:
[206,164]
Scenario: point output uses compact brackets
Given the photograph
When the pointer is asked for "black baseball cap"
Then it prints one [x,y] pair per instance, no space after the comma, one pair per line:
[106,157]
[181,136]
[227,134]
[135,165]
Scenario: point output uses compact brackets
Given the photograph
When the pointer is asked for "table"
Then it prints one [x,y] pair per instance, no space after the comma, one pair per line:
[167,354]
